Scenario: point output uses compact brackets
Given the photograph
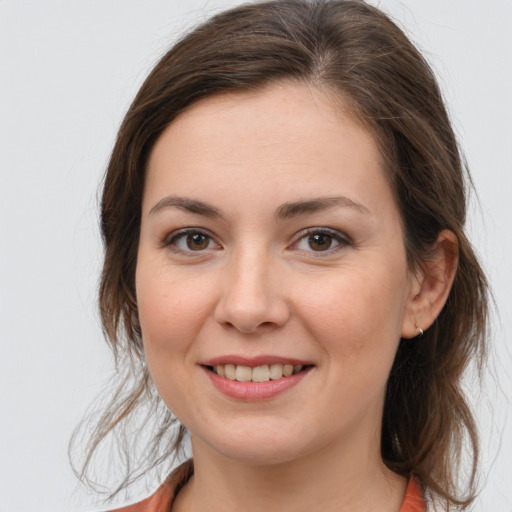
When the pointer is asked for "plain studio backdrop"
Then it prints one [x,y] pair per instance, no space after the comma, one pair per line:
[68,72]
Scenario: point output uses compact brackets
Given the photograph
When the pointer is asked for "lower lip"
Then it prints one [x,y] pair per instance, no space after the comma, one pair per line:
[250,391]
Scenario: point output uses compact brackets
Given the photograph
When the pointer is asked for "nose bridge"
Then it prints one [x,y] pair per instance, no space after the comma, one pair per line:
[251,296]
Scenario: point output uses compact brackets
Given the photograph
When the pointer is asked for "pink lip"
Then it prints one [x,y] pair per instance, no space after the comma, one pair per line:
[252,391]
[254,361]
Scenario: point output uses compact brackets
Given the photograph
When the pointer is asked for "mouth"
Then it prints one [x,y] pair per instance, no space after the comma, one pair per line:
[257,378]
[260,373]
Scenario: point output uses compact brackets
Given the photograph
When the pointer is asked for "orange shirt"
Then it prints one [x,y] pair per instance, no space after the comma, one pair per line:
[162,500]
[413,501]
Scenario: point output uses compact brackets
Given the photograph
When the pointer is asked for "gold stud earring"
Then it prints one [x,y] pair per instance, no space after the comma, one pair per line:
[420,330]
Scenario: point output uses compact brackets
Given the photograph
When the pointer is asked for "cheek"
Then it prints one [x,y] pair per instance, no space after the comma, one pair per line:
[357,318]
[357,327]
[170,310]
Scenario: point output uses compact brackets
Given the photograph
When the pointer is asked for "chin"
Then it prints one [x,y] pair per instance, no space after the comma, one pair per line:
[259,455]
[261,446]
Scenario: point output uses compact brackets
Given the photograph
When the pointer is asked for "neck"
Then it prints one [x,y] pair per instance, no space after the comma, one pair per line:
[336,478]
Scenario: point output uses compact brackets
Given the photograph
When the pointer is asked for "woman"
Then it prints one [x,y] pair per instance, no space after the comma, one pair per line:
[285,261]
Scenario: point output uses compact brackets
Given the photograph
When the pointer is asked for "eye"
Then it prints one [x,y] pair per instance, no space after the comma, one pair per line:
[191,240]
[321,240]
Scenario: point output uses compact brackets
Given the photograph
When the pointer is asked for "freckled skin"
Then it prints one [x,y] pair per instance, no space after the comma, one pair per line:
[259,288]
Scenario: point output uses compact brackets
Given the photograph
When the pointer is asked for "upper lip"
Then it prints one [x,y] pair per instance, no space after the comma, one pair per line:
[254,361]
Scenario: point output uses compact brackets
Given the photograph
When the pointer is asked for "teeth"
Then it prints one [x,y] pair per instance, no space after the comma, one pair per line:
[229,371]
[276,371]
[262,373]
[243,373]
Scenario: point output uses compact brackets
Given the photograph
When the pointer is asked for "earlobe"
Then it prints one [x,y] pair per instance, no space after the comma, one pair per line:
[432,285]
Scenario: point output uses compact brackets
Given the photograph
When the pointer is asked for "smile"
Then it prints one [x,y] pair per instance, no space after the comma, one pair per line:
[256,379]
[263,373]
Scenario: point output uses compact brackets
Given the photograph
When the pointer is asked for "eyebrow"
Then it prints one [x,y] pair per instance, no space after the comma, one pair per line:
[184,203]
[314,205]
[284,211]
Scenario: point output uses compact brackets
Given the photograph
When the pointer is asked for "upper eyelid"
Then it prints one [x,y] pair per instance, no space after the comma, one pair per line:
[319,229]
[342,239]
[338,235]
[169,238]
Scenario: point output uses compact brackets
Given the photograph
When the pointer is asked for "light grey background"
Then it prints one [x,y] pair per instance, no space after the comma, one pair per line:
[68,71]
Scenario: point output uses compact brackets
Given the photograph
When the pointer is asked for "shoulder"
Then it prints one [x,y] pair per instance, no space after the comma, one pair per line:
[161,500]
[413,500]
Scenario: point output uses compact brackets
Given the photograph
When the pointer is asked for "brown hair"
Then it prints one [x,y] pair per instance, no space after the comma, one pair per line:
[354,50]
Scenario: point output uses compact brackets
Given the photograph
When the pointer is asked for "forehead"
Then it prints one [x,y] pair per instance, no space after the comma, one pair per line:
[289,138]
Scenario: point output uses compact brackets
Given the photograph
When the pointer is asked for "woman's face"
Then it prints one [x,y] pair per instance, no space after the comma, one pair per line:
[270,238]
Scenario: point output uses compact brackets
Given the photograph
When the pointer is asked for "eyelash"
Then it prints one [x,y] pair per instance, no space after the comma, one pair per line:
[171,241]
[332,234]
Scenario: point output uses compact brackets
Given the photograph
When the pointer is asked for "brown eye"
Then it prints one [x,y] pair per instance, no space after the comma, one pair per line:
[191,240]
[197,241]
[320,241]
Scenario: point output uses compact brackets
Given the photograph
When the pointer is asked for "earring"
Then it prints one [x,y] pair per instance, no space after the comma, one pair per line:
[420,330]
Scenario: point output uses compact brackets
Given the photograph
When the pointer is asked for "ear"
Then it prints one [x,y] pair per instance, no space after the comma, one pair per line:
[431,285]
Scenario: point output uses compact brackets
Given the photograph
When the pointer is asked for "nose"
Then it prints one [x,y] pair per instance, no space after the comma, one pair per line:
[252,294]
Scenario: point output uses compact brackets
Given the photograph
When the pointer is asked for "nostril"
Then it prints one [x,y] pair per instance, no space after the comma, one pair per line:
[245,326]
[251,308]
